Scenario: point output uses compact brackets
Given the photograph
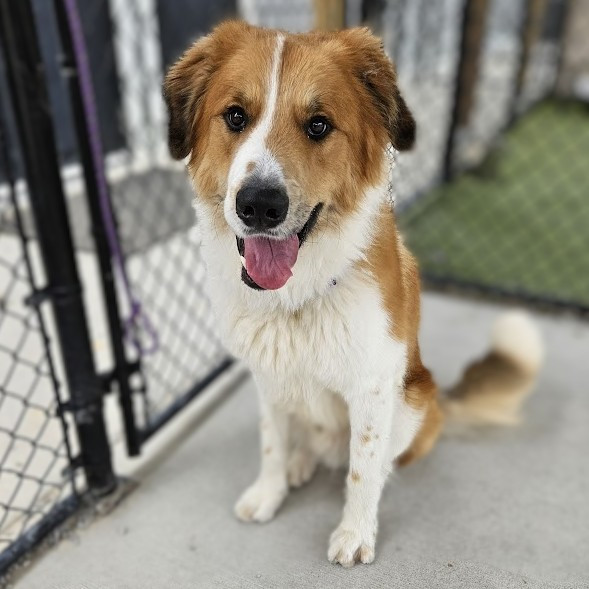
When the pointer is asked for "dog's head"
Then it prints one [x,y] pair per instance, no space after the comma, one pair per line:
[285,133]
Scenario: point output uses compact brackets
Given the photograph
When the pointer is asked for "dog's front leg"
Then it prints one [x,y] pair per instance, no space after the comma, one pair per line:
[370,422]
[261,500]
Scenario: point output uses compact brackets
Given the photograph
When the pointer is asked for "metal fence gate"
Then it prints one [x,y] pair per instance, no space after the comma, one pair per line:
[100,279]
[101,286]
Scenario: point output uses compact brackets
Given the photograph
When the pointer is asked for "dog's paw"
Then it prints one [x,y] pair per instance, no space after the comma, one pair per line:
[260,502]
[301,467]
[347,547]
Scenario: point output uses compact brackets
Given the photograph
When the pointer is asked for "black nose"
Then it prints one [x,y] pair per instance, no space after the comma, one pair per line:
[262,207]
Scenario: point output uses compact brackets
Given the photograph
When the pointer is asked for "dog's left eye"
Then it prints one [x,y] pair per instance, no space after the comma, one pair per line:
[318,128]
[236,119]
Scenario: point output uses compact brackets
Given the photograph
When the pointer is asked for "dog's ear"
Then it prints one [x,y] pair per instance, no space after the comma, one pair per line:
[186,82]
[377,73]
[184,87]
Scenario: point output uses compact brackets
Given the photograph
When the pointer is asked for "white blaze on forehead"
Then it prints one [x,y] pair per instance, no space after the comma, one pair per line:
[254,149]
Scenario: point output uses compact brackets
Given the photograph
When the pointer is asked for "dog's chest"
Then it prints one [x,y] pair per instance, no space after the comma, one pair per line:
[335,339]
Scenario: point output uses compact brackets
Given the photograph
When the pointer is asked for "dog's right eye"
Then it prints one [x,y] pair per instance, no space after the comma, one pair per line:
[318,128]
[236,119]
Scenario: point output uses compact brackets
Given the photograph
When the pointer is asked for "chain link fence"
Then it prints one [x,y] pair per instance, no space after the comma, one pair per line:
[507,204]
[35,450]
[493,198]
[38,487]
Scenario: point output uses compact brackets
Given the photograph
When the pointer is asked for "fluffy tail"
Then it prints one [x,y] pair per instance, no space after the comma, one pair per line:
[493,389]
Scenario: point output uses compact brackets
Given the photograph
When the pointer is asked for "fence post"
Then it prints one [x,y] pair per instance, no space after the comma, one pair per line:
[122,367]
[32,112]
[471,37]
[532,20]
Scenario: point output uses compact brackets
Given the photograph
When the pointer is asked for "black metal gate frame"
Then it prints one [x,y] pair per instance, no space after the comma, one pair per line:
[62,510]
[31,101]
[63,291]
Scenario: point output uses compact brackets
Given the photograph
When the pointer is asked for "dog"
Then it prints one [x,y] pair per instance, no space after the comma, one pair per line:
[285,138]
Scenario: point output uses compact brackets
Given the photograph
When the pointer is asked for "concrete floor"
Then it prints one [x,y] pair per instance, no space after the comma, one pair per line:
[497,508]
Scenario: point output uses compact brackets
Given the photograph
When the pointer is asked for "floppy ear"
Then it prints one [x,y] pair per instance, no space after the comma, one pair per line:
[186,83]
[377,73]
[184,87]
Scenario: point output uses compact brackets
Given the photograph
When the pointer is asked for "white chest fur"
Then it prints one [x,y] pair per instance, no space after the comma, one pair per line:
[339,340]
[335,339]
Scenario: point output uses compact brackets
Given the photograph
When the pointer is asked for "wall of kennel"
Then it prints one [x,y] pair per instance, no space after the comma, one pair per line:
[101,281]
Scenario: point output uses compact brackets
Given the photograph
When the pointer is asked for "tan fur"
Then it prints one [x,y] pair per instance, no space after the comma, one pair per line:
[492,390]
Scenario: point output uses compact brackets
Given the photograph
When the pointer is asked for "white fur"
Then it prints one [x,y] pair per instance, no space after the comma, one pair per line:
[515,335]
[254,148]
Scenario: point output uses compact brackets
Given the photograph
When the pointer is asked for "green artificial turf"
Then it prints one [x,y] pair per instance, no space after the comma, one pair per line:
[520,222]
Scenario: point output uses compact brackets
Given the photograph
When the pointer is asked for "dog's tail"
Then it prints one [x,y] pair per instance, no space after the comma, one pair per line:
[493,388]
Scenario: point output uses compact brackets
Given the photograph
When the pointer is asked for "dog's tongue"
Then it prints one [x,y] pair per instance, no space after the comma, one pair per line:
[269,262]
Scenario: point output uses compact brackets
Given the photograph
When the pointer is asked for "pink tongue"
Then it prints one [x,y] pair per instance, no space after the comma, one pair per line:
[269,261]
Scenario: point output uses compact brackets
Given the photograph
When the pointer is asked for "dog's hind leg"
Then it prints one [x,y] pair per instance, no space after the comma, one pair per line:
[320,433]
[328,429]
[421,394]
[302,459]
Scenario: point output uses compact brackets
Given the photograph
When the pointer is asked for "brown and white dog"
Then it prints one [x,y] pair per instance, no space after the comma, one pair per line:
[286,138]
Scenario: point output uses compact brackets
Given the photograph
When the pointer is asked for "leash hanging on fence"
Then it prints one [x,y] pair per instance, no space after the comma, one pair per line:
[137,320]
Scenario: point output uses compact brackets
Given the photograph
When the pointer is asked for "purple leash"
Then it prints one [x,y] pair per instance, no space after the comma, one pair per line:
[137,318]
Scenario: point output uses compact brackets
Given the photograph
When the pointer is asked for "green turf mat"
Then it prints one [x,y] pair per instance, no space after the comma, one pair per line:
[521,221]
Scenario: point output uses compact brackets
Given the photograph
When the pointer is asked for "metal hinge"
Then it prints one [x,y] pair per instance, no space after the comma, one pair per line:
[110,377]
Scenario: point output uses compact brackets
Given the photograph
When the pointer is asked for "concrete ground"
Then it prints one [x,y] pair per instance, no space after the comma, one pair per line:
[494,508]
